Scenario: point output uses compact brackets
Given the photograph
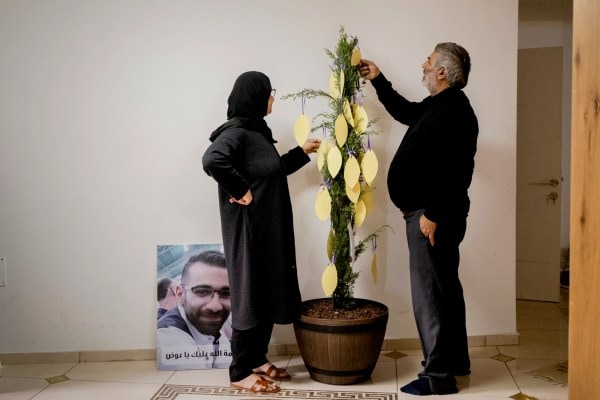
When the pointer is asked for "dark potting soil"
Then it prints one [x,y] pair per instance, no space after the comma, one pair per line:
[323,308]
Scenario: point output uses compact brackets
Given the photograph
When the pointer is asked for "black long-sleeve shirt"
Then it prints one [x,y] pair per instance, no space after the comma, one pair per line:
[433,167]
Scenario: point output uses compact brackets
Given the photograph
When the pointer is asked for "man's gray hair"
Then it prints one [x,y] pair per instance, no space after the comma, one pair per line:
[457,62]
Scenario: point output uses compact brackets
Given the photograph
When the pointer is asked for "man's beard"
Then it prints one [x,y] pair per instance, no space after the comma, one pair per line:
[429,82]
[206,328]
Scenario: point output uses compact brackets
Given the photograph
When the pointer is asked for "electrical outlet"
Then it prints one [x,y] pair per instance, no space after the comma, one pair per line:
[2,271]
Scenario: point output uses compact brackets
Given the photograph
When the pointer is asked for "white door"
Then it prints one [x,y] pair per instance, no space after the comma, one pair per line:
[539,178]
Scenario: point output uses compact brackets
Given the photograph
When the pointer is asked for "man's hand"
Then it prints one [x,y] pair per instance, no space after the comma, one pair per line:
[367,69]
[428,228]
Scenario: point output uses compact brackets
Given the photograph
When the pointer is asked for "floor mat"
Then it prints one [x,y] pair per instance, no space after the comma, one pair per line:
[557,373]
[190,392]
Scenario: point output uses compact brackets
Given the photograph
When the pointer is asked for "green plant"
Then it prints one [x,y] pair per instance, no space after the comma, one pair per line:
[348,166]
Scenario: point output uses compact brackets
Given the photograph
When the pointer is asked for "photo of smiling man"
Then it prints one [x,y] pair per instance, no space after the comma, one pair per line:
[195,333]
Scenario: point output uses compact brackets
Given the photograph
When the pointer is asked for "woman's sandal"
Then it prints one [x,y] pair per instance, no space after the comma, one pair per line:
[279,374]
[261,385]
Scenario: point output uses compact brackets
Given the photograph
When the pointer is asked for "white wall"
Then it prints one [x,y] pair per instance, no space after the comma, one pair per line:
[105,111]
[537,34]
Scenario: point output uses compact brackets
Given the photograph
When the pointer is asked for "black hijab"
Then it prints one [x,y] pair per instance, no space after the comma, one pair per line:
[247,105]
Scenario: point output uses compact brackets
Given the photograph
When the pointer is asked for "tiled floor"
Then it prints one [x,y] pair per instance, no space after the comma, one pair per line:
[498,372]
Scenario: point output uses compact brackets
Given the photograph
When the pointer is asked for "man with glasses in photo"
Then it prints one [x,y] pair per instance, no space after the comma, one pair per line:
[195,334]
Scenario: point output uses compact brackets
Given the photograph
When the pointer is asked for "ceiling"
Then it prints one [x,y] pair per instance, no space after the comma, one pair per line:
[545,10]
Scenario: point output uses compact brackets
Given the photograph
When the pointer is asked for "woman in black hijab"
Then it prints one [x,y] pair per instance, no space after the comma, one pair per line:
[257,228]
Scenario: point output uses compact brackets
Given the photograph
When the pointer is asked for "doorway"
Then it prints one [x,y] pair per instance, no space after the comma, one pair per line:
[539,173]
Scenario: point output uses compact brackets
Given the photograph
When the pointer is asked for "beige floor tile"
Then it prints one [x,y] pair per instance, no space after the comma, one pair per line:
[407,369]
[89,390]
[488,378]
[36,370]
[542,316]
[20,388]
[457,396]
[412,352]
[383,358]
[536,386]
[519,366]
[206,377]
[120,371]
[539,345]
[483,352]
[383,379]
[474,352]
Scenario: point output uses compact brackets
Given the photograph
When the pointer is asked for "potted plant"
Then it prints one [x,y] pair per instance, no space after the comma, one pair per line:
[340,337]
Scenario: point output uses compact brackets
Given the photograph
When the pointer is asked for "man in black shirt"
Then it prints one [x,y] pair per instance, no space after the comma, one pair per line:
[428,181]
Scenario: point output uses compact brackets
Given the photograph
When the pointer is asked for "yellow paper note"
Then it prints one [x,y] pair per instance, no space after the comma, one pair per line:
[367,198]
[334,161]
[351,171]
[374,268]
[329,280]
[341,130]
[369,166]
[355,58]
[301,129]
[361,120]
[360,213]
[348,112]
[323,204]
[353,192]
[321,156]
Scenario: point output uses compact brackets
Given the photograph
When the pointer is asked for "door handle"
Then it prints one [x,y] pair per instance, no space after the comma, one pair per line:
[552,197]
[551,182]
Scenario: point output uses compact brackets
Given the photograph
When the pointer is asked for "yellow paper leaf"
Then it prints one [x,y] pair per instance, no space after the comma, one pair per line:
[341,130]
[351,171]
[374,268]
[323,204]
[301,129]
[322,153]
[369,166]
[367,198]
[329,280]
[334,161]
[353,192]
[355,58]
[321,159]
[360,213]
[348,112]
[361,119]
[329,144]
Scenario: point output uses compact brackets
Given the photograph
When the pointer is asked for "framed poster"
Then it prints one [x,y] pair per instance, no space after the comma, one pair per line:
[193,307]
